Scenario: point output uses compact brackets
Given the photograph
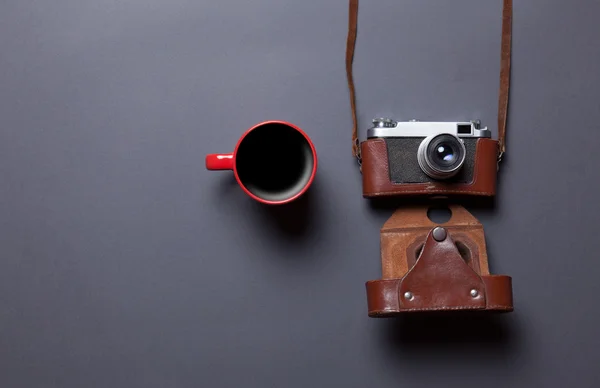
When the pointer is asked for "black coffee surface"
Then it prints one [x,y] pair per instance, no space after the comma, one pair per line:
[274,162]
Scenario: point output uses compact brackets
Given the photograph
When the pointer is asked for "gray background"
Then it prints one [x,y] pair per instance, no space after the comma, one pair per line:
[124,263]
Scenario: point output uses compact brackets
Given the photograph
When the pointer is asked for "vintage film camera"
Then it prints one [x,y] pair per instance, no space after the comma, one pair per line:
[428,158]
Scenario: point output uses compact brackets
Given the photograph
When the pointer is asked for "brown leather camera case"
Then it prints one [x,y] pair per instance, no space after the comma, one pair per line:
[429,267]
[377,182]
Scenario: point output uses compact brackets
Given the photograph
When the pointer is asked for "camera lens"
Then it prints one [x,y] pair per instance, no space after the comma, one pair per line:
[441,156]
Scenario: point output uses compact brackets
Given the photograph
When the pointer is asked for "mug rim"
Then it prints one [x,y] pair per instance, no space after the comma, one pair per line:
[304,188]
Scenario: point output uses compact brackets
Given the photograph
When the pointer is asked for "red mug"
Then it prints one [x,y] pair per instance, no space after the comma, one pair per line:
[274,162]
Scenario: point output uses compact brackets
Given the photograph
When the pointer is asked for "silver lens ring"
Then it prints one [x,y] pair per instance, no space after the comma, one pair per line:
[441,156]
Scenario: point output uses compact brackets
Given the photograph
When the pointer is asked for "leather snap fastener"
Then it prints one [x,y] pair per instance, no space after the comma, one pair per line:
[439,234]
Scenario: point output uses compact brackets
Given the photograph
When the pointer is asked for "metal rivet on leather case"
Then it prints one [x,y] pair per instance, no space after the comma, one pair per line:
[439,234]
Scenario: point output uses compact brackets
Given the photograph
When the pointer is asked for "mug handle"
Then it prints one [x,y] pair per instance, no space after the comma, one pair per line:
[219,161]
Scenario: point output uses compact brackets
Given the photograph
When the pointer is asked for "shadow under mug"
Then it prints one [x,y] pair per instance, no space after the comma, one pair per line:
[274,162]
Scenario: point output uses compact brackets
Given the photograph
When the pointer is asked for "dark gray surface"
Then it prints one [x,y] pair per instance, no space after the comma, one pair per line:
[125,264]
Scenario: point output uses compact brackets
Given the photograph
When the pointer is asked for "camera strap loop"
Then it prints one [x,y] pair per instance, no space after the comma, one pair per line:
[505,57]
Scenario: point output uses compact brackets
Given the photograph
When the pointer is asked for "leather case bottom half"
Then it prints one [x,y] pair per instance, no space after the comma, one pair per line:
[435,267]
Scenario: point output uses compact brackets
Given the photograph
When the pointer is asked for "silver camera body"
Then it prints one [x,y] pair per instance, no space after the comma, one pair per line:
[441,151]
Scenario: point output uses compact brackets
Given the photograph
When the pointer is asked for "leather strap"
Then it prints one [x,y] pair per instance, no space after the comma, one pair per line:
[504,75]
[505,57]
[350,43]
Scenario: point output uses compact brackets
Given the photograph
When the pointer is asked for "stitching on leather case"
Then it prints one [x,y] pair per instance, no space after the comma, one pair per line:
[383,193]
[445,308]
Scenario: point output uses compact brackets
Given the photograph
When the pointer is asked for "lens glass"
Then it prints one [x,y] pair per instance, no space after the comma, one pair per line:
[445,152]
